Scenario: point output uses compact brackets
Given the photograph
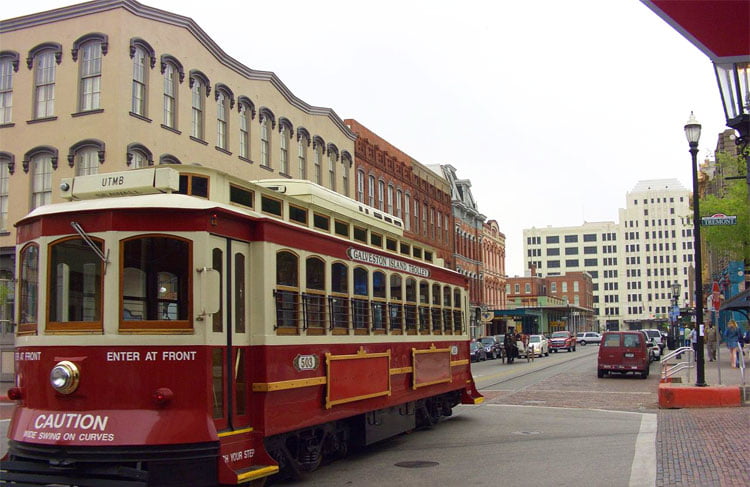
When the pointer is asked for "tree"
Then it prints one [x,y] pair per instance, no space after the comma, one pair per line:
[734,240]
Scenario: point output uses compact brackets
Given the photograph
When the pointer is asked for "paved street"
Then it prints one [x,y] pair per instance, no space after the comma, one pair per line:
[552,422]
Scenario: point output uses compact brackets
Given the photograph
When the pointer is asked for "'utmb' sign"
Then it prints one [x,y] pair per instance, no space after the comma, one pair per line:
[719,219]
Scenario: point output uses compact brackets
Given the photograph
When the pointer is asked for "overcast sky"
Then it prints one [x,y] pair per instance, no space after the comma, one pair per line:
[552,109]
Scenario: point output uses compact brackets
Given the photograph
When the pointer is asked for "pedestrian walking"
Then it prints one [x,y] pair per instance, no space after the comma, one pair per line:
[686,336]
[711,342]
[732,338]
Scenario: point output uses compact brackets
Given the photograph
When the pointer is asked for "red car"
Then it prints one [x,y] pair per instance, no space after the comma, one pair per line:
[623,351]
[562,340]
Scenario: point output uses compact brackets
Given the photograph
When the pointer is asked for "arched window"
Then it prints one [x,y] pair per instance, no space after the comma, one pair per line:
[28,288]
[5,164]
[45,59]
[458,317]
[41,163]
[284,137]
[395,305]
[410,307]
[407,212]
[199,89]
[437,314]
[222,120]
[333,157]
[424,306]
[339,299]
[303,142]
[360,186]
[87,161]
[287,293]
[86,156]
[157,283]
[75,285]
[447,311]
[381,195]
[91,48]
[246,114]
[371,191]
[379,315]
[314,297]
[224,103]
[8,65]
[346,160]
[173,72]
[361,303]
[140,80]
[139,156]
[318,147]
[265,141]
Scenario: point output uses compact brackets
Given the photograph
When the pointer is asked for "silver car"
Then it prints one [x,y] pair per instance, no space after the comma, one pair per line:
[588,337]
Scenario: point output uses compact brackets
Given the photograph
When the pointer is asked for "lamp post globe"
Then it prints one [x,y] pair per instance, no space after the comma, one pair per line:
[734,86]
[693,135]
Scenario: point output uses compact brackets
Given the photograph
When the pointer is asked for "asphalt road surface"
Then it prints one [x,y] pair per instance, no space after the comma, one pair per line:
[549,422]
[521,436]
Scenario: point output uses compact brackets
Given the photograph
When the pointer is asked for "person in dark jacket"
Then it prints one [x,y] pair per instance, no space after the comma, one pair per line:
[510,347]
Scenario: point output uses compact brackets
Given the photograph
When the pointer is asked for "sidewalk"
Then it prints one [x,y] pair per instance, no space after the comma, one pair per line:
[725,386]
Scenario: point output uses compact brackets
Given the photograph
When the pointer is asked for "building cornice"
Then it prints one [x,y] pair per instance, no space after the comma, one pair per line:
[144,11]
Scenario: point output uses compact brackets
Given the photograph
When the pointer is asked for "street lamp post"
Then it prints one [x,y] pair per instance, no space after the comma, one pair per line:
[693,134]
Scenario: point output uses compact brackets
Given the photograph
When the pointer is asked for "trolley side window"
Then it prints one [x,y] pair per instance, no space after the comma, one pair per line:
[28,289]
[286,294]
[156,282]
[74,286]
[339,299]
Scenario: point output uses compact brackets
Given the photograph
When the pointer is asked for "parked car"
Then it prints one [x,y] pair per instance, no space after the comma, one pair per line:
[477,352]
[588,337]
[539,344]
[653,344]
[492,347]
[562,340]
[623,351]
[657,337]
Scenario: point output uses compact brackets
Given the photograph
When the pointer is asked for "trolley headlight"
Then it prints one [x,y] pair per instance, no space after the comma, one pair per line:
[64,377]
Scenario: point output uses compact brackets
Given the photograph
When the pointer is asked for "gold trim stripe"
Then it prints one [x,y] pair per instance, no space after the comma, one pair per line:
[456,363]
[288,384]
[258,473]
[402,370]
[424,384]
[236,432]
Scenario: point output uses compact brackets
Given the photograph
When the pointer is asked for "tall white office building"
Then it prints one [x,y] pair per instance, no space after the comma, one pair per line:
[633,262]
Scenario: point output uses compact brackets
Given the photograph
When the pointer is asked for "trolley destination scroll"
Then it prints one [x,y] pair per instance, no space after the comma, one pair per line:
[718,219]
[389,262]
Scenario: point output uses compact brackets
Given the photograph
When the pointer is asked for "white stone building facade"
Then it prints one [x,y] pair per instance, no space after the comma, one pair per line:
[633,262]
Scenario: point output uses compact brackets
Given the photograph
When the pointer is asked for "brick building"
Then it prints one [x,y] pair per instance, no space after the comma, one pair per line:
[467,253]
[493,268]
[390,180]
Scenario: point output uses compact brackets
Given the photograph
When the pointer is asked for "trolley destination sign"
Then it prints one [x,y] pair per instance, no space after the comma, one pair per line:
[389,262]
[719,219]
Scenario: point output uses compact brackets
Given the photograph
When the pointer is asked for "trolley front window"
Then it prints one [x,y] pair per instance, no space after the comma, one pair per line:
[75,286]
[156,283]
[28,289]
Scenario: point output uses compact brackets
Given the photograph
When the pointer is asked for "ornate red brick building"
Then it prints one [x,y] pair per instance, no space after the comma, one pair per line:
[390,180]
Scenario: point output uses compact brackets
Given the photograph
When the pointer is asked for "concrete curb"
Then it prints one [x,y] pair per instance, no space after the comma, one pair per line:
[675,395]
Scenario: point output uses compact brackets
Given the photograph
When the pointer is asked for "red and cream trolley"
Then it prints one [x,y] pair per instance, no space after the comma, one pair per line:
[178,326]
